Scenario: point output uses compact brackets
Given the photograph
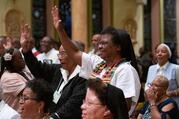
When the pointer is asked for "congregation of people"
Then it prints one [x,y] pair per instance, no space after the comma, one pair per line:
[62,81]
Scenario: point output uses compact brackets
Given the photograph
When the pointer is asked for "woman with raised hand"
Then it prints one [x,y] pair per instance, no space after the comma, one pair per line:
[114,64]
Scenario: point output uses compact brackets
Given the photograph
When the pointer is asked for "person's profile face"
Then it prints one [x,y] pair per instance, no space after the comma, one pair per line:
[92,107]
[29,107]
[65,61]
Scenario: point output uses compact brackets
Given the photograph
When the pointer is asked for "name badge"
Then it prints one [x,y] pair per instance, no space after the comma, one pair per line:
[56,96]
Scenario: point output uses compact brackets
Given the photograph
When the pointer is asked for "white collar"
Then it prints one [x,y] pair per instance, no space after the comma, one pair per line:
[65,73]
[163,66]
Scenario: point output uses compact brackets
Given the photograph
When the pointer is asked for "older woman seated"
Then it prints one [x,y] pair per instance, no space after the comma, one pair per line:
[35,100]
[159,105]
[103,101]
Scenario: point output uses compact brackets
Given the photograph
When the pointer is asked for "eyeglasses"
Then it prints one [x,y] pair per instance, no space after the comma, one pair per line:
[62,54]
[151,84]
[23,98]
[88,103]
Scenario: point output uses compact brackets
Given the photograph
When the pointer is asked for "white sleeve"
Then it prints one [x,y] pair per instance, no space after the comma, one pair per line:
[177,74]
[127,79]
[89,62]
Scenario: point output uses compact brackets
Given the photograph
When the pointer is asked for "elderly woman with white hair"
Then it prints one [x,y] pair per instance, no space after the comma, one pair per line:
[165,68]
[6,112]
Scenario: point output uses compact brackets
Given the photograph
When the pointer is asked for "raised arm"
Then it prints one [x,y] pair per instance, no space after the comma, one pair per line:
[25,38]
[70,48]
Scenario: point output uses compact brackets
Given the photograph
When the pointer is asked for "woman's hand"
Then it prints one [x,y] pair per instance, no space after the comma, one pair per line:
[151,95]
[25,38]
[56,18]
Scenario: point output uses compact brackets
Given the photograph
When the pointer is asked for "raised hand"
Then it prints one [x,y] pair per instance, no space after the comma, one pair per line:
[25,37]
[56,18]
[151,95]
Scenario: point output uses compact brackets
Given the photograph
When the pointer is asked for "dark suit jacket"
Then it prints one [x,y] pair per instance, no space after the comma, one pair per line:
[68,106]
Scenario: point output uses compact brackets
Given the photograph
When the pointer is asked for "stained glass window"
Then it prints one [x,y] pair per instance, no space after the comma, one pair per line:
[65,8]
[170,27]
[96,16]
[147,25]
[38,19]
[170,20]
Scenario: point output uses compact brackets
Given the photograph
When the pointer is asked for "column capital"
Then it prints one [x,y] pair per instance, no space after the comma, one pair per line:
[143,2]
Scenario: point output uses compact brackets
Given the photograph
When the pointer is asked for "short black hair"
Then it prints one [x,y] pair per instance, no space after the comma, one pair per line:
[114,33]
[110,96]
[43,92]
[99,88]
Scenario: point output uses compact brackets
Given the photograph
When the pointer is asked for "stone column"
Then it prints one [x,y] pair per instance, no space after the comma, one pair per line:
[140,26]
[50,27]
[155,19]
[107,12]
[80,21]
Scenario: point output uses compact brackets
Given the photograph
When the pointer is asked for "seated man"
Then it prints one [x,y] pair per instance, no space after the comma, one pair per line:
[69,89]
[159,105]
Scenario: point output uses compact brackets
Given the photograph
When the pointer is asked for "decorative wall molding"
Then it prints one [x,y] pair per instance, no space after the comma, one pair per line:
[13,21]
[130,25]
[144,2]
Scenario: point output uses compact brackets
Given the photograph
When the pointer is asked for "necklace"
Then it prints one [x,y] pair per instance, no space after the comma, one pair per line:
[109,70]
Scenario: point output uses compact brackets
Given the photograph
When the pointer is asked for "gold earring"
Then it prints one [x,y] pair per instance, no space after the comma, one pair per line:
[39,111]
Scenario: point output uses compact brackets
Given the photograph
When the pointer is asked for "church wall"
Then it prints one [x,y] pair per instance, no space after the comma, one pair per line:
[128,14]
[13,13]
